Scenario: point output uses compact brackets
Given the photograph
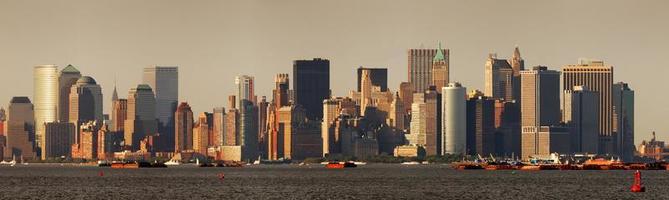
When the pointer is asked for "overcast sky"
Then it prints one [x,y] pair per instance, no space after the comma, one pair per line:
[213,41]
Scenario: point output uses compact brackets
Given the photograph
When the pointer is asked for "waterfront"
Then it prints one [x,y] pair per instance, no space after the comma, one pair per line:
[374,181]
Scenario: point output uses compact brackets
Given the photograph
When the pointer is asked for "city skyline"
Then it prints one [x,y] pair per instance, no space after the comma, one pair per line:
[467,65]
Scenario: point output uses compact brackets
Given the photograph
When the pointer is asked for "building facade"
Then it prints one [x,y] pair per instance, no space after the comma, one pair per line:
[164,80]
[420,63]
[45,97]
[311,84]
[454,119]
[540,109]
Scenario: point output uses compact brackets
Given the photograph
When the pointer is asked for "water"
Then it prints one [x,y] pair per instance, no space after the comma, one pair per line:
[373,181]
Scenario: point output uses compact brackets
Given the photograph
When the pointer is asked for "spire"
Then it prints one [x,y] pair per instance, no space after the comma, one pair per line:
[516,52]
[70,69]
[115,94]
[440,55]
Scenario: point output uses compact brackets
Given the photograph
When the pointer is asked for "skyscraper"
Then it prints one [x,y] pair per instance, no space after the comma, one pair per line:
[406,94]
[200,138]
[45,99]
[378,76]
[141,120]
[183,128]
[245,90]
[423,125]
[581,112]
[480,126]
[85,102]
[517,64]
[311,84]
[365,92]
[119,115]
[68,77]
[218,125]
[440,71]
[20,135]
[420,63]
[58,139]
[454,119]
[248,130]
[598,78]
[623,126]
[498,78]
[165,84]
[540,109]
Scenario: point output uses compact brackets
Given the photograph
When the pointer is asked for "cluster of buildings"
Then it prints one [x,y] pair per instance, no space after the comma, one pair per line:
[520,112]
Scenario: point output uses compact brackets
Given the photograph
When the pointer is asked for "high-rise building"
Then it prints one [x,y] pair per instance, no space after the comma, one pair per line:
[245,90]
[507,123]
[248,130]
[397,113]
[3,118]
[20,135]
[85,103]
[58,139]
[423,126]
[365,92]
[45,98]
[119,115]
[378,77]
[68,77]
[480,126]
[540,109]
[598,78]
[183,128]
[517,64]
[218,125]
[165,84]
[406,94]
[623,126]
[87,146]
[106,146]
[420,63]
[231,128]
[498,78]
[440,71]
[263,127]
[201,133]
[311,84]
[454,115]
[580,112]
[141,120]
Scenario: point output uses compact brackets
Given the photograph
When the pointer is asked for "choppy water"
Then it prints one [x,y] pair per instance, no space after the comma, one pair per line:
[374,181]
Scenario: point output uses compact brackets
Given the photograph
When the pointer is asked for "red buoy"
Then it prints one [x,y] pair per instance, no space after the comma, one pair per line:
[221,176]
[637,187]
[101,173]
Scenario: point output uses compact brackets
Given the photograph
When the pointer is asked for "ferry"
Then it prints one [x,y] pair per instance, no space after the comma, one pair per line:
[173,162]
[340,165]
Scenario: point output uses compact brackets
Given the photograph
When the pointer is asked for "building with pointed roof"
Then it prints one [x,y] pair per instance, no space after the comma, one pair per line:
[440,71]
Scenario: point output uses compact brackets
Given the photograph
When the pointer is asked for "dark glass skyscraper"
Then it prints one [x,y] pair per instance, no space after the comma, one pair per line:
[311,84]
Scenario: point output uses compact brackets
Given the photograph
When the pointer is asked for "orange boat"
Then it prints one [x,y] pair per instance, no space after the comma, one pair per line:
[339,165]
[530,168]
[124,165]
[499,167]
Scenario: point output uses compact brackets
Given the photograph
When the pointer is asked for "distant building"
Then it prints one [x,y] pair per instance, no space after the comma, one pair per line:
[378,77]
[480,126]
[85,103]
[183,128]
[245,90]
[540,111]
[424,122]
[106,143]
[67,78]
[20,135]
[87,146]
[58,139]
[218,125]
[165,84]
[45,99]
[231,130]
[141,119]
[544,140]
[598,78]
[507,124]
[454,116]
[517,64]
[440,69]
[623,125]
[420,67]
[498,78]
[119,114]
[248,130]
[201,131]
[652,149]
[580,111]
[332,110]
[311,84]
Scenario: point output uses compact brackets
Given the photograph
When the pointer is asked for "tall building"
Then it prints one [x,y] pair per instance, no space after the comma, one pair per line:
[141,120]
[68,77]
[165,84]
[507,123]
[480,126]
[263,127]
[311,84]
[119,115]
[20,135]
[106,146]
[58,139]
[423,126]
[231,128]
[87,146]
[365,92]
[598,78]
[517,64]
[397,113]
[218,125]
[3,118]
[580,112]
[540,109]
[440,71]
[378,76]
[85,103]
[183,128]
[248,130]
[623,126]
[201,134]
[45,99]
[420,63]
[406,94]
[498,78]
[454,127]
[245,90]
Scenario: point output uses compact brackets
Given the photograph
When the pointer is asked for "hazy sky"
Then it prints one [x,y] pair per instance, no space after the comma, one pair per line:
[213,41]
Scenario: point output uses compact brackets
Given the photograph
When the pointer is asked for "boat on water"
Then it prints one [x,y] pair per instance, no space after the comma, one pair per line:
[135,165]
[172,162]
[360,163]
[340,165]
[411,163]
